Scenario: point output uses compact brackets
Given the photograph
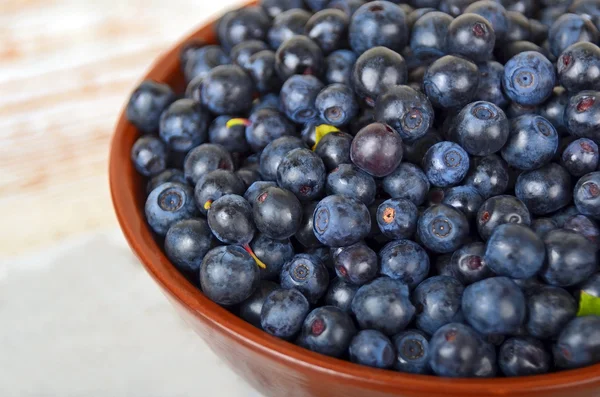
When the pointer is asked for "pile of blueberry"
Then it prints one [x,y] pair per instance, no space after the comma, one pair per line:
[406,186]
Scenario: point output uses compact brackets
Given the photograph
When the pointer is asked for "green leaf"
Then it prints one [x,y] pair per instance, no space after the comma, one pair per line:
[589,305]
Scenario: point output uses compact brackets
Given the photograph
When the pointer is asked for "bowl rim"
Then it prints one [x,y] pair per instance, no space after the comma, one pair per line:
[131,220]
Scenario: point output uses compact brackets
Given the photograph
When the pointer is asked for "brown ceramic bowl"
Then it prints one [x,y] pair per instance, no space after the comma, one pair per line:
[272,366]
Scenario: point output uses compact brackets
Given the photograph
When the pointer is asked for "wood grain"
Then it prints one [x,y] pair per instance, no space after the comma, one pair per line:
[66,70]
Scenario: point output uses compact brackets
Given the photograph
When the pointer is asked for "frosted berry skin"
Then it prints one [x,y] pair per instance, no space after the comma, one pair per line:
[499,210]
[580,157]
[587,195]
[471,36]
[412,352]
[274,253]
[532,143]
[406,110]
[348,180]
[341,221]
[377,149]
[523,356]
[299,55]
[375,71]
[406,261]
[442,229]
[298,95]
[454,350]
[549,310]
[464,198]
[328,28]
[327,330]
[307,274]
[579,67]
[383,305]
[514,251]
[429,32]
[227,89]
[149,155]
[186,243]
[273,154]
[494,306]
[286,25]
[241,25]
[446,164]
[451,82]
[146,104]
[168,204]
[578,343]
[372,348]
[334,149]
[493,12]
[544,190]
[338,67]
[184,125]
[489,175]
[569,29]
[277,213]
[397,218]
[467,264]
[336,104]
[571,259]
[582,115]
[378,23]
[303,173]
[407,182]
[283,313]
[228,275]
[356,264]
[230,220]
[529,78]
[490,83]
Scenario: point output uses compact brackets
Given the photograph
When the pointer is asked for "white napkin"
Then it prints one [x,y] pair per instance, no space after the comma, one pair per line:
[84,319]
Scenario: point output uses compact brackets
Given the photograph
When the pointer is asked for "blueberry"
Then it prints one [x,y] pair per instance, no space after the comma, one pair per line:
[273,253]
[415,151]
[514,48]
[579,343]
[494,306]
[581,157]
[283,313]
[376,70]
[514,251]
[490,82]
[286,25]
[338,67]
[327,330]
[465,199]
[305,234]
[549,310]
[251,308]
[471,36]
[529,78]
[493,12]
[588,8]
[438,302]
[242,25]
[227,89]
[519,27]
[266,125]
[467,264]
[578,67]
[570,258]
[442,265]
[406,110]
[241,53]
[230,219]
[169,203]
[303,173]
[481,128]
[147,103]
[397,218]
[299,55]
[383,305]
[451,82]
[184,125]
[328,28]
[317,5]
[406,261]
[377,149]
[214,185]
[373,349]
[149,155]
[298,96]
[256,189]
[544,190]
[499,210]
[348,180]
[445,164]
[270,101]
[563,215]
[228,275]
[334,149]
[429,32]
[522,356]
[442,229]
[453,7]
[168,175]
[541,226]
[261,68]
[584,226]
[532,143]
[277,213]
[232,138]
[454,350]
[407,182]
[336,104]
[553,109]
[199,60]
[341,221]
[569,29]
[275,7]
[307,274]
[348,6]
[587,195]
[274,152]
[186,243]
[582,115]
[412,352]
[378,23]
[591,286]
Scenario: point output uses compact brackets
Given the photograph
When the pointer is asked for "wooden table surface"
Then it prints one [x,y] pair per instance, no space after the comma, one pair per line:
[66,70]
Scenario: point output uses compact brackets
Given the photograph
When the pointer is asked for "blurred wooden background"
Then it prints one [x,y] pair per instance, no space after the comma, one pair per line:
[66,70]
